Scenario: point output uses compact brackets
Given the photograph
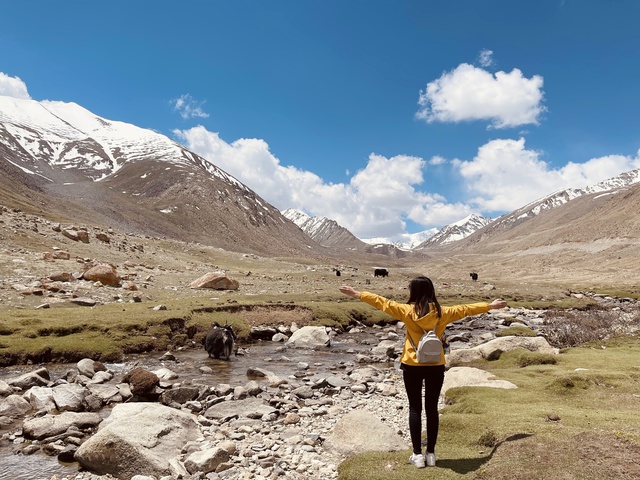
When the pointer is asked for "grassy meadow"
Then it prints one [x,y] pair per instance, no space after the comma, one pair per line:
[576,418]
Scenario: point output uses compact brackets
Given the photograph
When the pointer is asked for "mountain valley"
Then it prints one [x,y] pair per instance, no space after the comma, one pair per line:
[60,163]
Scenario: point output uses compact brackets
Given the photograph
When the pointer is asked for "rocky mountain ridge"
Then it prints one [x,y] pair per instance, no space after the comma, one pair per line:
[60,159]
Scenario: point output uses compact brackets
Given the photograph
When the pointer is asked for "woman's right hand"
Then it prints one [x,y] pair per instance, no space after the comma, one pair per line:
[347,290]
[498,303]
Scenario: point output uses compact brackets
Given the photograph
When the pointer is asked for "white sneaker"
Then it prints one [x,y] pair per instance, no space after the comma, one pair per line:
[417,459]
[431,459]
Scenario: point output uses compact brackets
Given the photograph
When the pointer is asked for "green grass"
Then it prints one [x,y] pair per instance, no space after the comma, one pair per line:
[67,333]
[488,433]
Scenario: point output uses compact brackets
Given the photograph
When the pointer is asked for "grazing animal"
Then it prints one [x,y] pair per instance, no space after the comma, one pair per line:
[474,276]
[219,341]
[381,272]
[337,273]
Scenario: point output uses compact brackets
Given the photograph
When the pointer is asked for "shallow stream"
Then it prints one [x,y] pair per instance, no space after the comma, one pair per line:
[267,355]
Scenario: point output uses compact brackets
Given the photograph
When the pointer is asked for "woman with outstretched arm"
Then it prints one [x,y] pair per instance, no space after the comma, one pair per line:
[421,313]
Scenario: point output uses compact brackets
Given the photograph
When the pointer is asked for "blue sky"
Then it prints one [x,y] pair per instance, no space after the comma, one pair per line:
[390,117]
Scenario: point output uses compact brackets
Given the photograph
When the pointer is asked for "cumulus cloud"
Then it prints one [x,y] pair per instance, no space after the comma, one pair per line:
[381,197]
[188,107]
[375,202]
[471,93]
[13,87]
[504,175]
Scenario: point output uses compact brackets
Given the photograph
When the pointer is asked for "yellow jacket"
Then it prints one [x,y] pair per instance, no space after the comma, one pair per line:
[416,326]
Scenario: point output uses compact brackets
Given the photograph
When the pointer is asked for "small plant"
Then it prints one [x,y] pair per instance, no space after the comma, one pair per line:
[488,439]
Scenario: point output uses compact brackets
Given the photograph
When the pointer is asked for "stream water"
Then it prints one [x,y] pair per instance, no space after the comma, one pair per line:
[267,355]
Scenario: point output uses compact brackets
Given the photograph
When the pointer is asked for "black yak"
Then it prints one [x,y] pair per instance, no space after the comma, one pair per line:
[380,272]
[474,276]
[219,341]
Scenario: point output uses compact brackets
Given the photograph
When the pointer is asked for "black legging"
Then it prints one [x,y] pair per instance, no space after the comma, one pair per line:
[432,376]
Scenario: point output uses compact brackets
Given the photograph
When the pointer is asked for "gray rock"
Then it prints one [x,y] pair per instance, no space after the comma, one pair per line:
[310,337]
[14,406]
[38,377]
[50,425]
[253,408]
[493,348]
[472,377]
[69,397]
[206,460]
[106,393]
[362,431]
[138,437]
[41,398]
[386,348]
[5,389]
[179,395]
[86,367]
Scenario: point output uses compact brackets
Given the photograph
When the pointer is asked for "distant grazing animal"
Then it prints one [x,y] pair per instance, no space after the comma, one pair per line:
[474,276]
[219,341]
[338,273]
[381,272]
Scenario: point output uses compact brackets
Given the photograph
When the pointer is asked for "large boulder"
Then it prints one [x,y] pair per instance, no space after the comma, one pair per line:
[105,274]
[310,337]
[5,389]
[41,398]
[362,431]
[472,377]
[138,437]
[492,349]
[216,281]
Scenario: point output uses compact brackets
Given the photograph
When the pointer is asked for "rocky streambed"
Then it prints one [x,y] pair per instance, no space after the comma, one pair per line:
[279,409]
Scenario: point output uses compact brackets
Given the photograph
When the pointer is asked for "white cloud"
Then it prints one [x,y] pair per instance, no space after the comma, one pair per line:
[188,107]
[382,196]
[374,202]
[485,59]
[13,87]
[437,160]
[504,175]
[471,93]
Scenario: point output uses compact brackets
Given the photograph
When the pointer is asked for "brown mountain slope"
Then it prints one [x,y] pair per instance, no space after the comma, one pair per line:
[592,239]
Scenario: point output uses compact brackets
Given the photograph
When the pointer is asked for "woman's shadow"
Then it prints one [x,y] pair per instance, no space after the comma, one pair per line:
[466,465]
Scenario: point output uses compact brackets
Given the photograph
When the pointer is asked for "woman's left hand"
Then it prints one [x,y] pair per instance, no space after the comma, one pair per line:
[498,303]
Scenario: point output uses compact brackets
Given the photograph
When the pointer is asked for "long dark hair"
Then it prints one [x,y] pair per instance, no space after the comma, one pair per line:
[422,294]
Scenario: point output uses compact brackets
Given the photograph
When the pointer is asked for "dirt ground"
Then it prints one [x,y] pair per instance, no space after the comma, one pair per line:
[585,453]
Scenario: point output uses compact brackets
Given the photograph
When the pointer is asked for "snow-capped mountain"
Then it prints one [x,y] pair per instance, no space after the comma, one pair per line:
[605,210]
[327,232]
[87,169]
[561,197]
[457,231]
[66,136]
[323,230]
[404,241]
